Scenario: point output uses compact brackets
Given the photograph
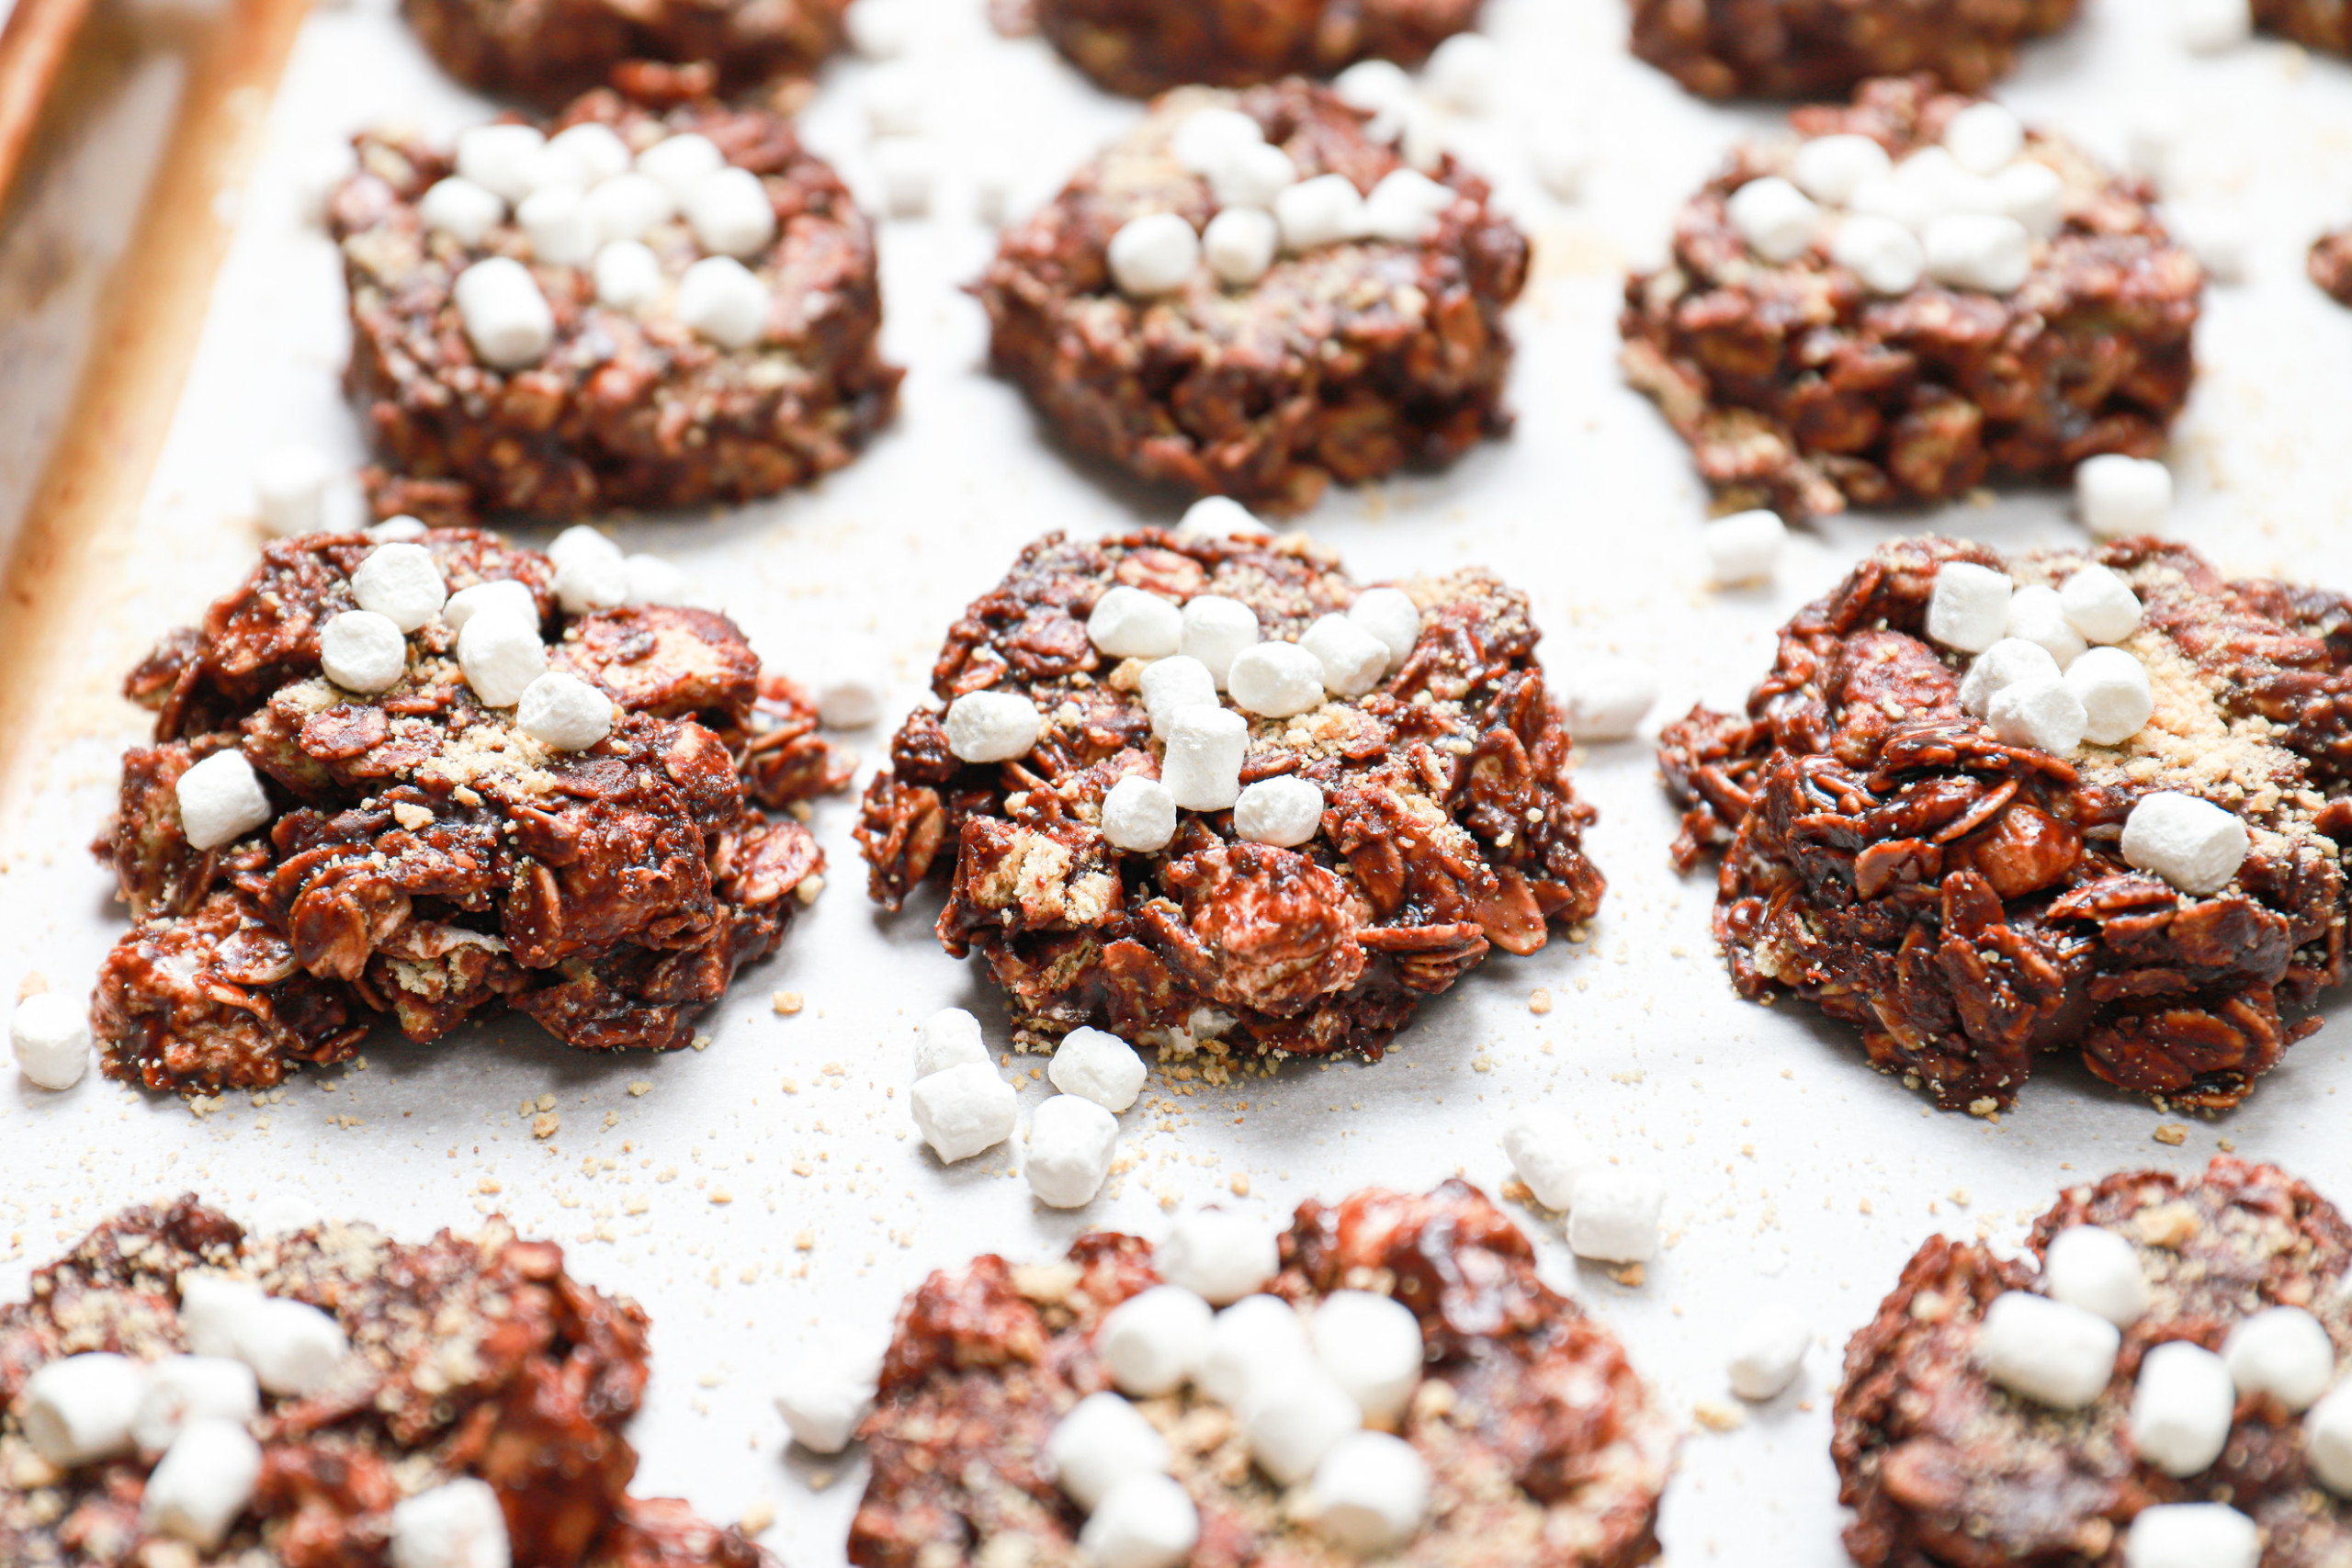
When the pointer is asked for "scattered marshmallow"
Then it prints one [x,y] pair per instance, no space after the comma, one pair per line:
[1615,1218]
[2182,1407]
[1550,1155]
[1285,811]
[1562,157]
[1072,1141]
[948,1038]
[1407,206]
[909,173]
[1292,1420]
[822,1406]
[502,655]
[677,163]
[363,651]
[1102,1441]
[2283,1351]
[1778,220]
[506,318]
[203,1483]
[1325,210]
[2099,605]
[214,1311]
[1254,1343]
[50,1036]
[2094,1269]
[2191,843]
[654,580]
[82,1408]
[1129,623]
[1370,1494]
[881,30]
[2117,699]
[2328,1438]
[463,210]
[1138,816]
[1969,608]
[1390,615]
[589,579]
[1168,686]
[992,727]
[1095,1064]
[1768,1354]
[455,1525]
[221,799]
[627,275]
[1146,1521]
[561,710]
[1744,548]
[1884,255]
[2047,1351]
[562,229]
[292,1347]
[1353,660]
[1371,1345]
[1153,254]
[1374,86]
[963,1111]
[2034,194]
[849,693]
[725,301]
[584,155]
[1831,169]
[2209,27]
[1607,698]
[1275,680]
[181,1389]
[2005,664]
[1221,517]
[401,583]
[1202,767]
[1207,136]
[396,531]
[729,212]
[290,490]
[1155,1342]
[2037,615]
[1240,245]
[1221,1255]
[1984,251]
[2217,236]
[2042,713]
[1251,175]
[628,207]
[1984,137]
[2116,495]
[580,543]
[1464,72]
[1217,630]
[509,161]
[897,98]
[2192,1535]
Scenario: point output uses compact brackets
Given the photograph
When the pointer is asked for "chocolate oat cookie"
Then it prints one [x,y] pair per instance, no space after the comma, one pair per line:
[1533,1442]
[1946,1465]
[544,51]
[1356,330]
[2331,265]
[1385,799]
[555,809]
[1141,47]
[1803,49]
[1912,297]
[2316,24]
[1977,853]
[660,307]
[326,1397]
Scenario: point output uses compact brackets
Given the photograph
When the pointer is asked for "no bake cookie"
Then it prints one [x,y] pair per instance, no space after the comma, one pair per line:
[544,51]
[1803,49]
[1141,47]
[2316,24]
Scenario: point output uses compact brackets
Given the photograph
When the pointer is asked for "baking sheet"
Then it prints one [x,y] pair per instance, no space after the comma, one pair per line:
[766,1199]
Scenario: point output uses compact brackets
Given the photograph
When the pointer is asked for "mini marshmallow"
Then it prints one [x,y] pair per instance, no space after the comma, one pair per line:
[1352,658]
[1206,136]
[1562,159]
[1215,630]
[1097,1066]
[2099,605]
[1256,1342]
[292,1347]
[2037,615]
[1153,254]
[1155,1342]
[396,531]
[1239,244]
[585,154]
[221,799]
[580,543]
[1220,1254]
[1607,698]
[463,210]
[2218,237]
[2192,1535]
[2041,711]
[2182,1407]
[724,300]
[2005,664]
[821,1407]
[1102,1441]
[1168,686]
[992,727]
[2116,495]
[1983,251]
[1251,175]
[897,99]
[1464,72]
[2035,194]
[203,1483]
[654,580]
[290,490]
[729,212]
[1830,169]
[1072,1141]
[1884,255]
[1969,608]
[1275,680]
[455,1525]
[1405,207]
[1146,1521]
[2191,843]
[508,161]
[628,207]
[1371,1346]
[2094,1269]
[1374,86]
[401,583]
[50,1036]
[1615,1216]
[909,173]
[1983,137]
[363,651]
[1768,1354]
[849,694]
[506,318]
[2113,688]
[1390,615]
[502,656]
[1370,1494]
[1129,623]
[627,275]
[1550,1155]
[962,1111]
[2209,27]
[1284,811]
[1325,210]
[1138,816]
[948,1038]
[1743,547]
[563,711]
[1421,138]
[1292,1420]
[2327,1437]
[214,1311]
[677,163]
[2047,1351]
[1221,517]
[563,231]
[82,1408]
[2283,1351]
[1778,220]
[881,30]
[181,1389]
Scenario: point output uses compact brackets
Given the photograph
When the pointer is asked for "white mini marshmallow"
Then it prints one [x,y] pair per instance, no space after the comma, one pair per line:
[2209,27]
[502,655]
[2283,1351]
[898,100]
[1255,1342]
[1390,615]
[1202,767]
[588,579]
[948,1038]
[290,490]
[628,207]
[1284,811]
[1353,660]
[1884,255]
[2192,1535]
[1371,1345]
[627,275]
[849,691]
[908,171]
[50,1036]
[584,155]
[1138,816]
[1562,156]
[1743,547]
[401,583]
[1767,1353]
[2094,1269]
[1155,1342]
[1983,137]
[2219,237]
[882,29]
[181,1389]
[580,543]
[1251,175]
[1830,169]
[2181,1407]
[992,727]
[1422,134]
[1275,680]
[1293,1418]
[1071,1144]
[1370,1494]
[82,1408]
[363,651]
[455,1525]
[1983,251]
[561,710]
[1215,630]
[823,1406]
[562,231]
[1153,254]
[506,318]
[292,1347]
[1098,1066]
[1969,608]
[1239,244]
[1168,686]
[1607,698]
[2035,194]
[463,210]
[1325,210]
[1206,136]
[653,579]
[1778,220]
[2047,1351]
[1550,1155]
[214,1309]
[1102,1441]
[2191,843]
[1407,206]
[2117,699]
[1615,1216]
[1375,84]
[2037,615]
[962,1111]
[725,301]
[1221,517]
[1220,1254]
[2327,1437]
[729,212]
[2001,666]
[2042,712]
[1129,623]
[2099,605]
[1146,1521]
[203,1483]
[507,160]
[1464,72]
[677,163]
[396,531]
[221,799]
[2116,495]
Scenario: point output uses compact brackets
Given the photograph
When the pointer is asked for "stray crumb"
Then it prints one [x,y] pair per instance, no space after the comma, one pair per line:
[545,1123]
[1539,1000]
[488,1187]
[1630,1275]
[639,1088]
[789,1002]
[806,1241]
[757,1518]
[2172,1132]
[1241,1185]
[34,984]
[2228,1146]
[1717,1417]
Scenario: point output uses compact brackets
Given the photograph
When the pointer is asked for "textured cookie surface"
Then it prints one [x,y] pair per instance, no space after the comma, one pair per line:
[543,52]
[1141,47]
[1796,49]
